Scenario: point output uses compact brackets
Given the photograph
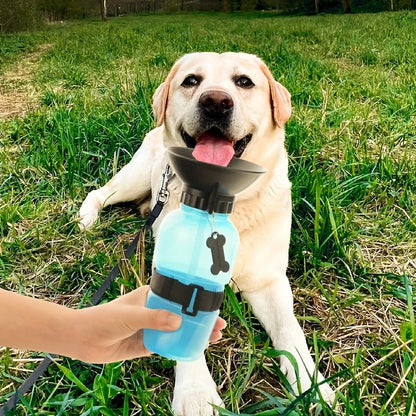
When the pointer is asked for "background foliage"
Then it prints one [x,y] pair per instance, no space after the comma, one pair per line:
[30,14]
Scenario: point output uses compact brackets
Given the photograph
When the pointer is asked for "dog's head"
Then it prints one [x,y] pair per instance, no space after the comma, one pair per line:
[225,101]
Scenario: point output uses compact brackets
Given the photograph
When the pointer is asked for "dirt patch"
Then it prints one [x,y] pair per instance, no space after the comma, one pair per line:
[18,94]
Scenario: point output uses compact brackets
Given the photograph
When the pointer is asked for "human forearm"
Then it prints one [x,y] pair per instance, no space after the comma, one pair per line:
[105,333]
[34,324]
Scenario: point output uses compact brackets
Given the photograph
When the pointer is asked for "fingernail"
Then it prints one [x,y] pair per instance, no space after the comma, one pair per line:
[173,320]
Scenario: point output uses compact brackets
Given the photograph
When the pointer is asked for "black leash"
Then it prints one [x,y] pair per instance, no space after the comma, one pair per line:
[26,386]
[162,198]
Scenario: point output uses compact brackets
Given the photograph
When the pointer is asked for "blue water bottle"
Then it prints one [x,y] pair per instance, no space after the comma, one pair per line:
[195,252]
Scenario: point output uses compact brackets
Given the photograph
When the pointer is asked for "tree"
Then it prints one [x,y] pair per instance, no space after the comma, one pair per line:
[347,6]
[19,15]
[103,9]
[226,6]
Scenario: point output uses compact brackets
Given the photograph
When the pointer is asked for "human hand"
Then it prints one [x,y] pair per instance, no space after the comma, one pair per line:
[114,331]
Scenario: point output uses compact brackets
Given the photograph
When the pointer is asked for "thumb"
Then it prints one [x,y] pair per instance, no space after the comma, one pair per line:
[157,319]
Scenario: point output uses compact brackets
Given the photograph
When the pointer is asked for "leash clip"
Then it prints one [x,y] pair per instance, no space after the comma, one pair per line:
[162,198]
[163,195]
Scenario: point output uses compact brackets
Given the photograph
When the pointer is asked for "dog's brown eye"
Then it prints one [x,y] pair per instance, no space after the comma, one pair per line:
[243,82]
[191,81]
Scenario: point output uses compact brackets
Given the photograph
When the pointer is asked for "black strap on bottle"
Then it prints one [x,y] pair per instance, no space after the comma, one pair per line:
[193,298]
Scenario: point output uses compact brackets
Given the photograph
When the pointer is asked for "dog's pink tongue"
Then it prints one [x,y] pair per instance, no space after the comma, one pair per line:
[215,150]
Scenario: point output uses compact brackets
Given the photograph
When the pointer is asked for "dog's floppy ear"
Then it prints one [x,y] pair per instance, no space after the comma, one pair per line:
[159,103]
[161,95]
[280,98]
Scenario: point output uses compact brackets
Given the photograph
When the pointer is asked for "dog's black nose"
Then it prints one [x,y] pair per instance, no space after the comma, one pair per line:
[215,103]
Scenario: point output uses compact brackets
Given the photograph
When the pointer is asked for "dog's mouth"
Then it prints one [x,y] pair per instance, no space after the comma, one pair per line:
[214,147]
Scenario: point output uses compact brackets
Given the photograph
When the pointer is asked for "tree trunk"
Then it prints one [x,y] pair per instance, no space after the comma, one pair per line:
[226,6]
[347,6]
[103,8]
[316,6]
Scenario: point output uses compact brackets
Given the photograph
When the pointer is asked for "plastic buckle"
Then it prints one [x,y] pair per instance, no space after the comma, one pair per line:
[194,292]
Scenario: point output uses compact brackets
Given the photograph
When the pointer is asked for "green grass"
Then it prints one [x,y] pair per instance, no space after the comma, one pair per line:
[352,146]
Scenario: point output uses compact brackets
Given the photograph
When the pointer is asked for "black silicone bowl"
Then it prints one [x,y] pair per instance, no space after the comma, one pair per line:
[231,179]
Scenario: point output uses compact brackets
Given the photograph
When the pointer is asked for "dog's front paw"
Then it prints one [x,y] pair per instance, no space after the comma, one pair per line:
[305,381]
[325,390]
[196,400]
[88,213]
[86,221]
[327,393]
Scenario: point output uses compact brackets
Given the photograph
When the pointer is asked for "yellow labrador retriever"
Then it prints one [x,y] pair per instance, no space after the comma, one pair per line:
[213,103]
